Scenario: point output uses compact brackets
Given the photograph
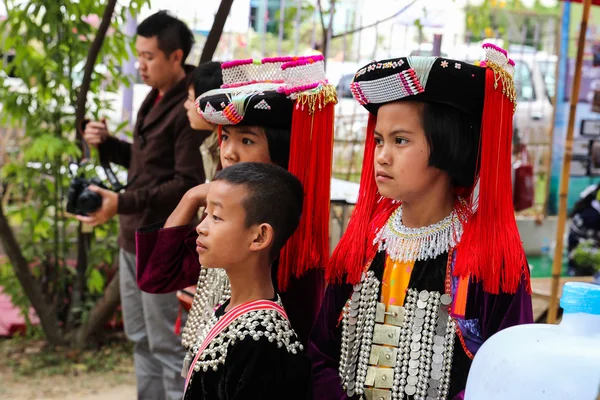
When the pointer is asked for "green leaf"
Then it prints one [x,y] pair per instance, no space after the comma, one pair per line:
[96,282]
[49,40]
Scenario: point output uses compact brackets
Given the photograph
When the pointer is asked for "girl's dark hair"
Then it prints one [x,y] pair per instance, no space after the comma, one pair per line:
[453,138]
[278,140]
[585,202]
[207,76]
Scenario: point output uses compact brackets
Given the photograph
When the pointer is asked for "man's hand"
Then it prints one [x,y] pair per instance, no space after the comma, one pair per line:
[110,203]
[95,133]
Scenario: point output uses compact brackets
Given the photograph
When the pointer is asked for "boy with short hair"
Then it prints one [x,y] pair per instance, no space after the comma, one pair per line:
[248,350]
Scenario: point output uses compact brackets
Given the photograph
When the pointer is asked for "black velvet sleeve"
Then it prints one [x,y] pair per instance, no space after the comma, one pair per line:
[259,369]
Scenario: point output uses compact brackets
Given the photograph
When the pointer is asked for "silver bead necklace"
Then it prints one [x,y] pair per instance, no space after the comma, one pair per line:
[403,244]
[404,352]
[258,325]
[212,290]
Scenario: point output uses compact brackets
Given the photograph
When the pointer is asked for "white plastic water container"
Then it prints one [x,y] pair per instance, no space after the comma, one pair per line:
[544,362]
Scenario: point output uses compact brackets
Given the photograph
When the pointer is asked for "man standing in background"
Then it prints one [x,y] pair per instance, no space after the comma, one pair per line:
[163,162]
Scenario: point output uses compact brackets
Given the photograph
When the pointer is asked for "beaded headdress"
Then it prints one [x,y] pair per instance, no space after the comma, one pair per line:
[289,93]
[490,249]
[249,95]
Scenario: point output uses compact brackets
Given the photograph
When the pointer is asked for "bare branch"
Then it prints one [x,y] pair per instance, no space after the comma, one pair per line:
[212,41]
[375,23]
[327,34]
[321,16]
[91,62]
[83,239]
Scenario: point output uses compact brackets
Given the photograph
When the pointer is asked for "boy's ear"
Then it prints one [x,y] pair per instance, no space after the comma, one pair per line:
[263,237]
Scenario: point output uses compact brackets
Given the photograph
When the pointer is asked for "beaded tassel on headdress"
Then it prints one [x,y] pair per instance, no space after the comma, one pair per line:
[311,148]
[491,249]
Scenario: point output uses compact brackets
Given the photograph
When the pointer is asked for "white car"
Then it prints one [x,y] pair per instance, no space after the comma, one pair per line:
[535,84]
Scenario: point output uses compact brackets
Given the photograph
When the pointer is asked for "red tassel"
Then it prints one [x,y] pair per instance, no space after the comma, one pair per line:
[310,160]
[491,248]
[220,139]
[178,322]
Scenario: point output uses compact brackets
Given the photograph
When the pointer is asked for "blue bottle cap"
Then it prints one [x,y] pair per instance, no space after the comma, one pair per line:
[579,297]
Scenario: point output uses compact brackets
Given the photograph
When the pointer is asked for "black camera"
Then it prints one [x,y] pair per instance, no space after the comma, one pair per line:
[80,199]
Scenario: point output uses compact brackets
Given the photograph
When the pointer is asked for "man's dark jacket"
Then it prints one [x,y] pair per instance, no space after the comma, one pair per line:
[164,161]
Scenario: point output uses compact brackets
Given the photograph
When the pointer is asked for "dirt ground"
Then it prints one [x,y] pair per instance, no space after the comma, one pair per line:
[29,370]
[115,385]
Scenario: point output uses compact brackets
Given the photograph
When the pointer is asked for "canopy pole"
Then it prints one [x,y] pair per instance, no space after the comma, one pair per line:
[566,167]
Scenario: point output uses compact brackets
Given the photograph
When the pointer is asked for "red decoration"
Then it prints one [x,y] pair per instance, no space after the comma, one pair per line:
[594,2]
[311,151]
[524,194]
[490,249]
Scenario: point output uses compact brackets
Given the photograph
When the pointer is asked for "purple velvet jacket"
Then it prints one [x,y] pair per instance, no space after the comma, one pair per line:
[167,261]
[486,314]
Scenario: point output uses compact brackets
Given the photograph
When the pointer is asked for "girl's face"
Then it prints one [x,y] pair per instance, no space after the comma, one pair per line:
[243,144]
[402,170]
[196,120]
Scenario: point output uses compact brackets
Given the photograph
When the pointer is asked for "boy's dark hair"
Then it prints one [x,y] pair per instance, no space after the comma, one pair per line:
[453,139]
[171,33]
[207,76]
[275,197]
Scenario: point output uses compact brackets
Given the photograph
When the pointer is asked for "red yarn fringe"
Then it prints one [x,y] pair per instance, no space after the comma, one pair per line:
[310,161]
[491,250]
[177,327]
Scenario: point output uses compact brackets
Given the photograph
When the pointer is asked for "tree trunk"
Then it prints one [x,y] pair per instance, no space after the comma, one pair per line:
[43,308]
[327,30]
[212,41]
[90,62]
[360,28]
[83,239]
[100,314]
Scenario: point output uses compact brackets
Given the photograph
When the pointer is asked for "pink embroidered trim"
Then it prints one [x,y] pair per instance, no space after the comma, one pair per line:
[302,61]
[411,82]
[268,60]
[511,62]
[497,48]
[302,88]
[235,63]
[227,319]
[232,115]
[277,59]
[358,93]
[239,84]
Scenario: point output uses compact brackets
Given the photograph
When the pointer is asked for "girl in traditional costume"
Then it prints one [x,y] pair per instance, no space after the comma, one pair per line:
[280,111]
[431,264]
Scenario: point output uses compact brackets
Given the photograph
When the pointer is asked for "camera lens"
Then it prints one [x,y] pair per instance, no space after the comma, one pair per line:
[88,202]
